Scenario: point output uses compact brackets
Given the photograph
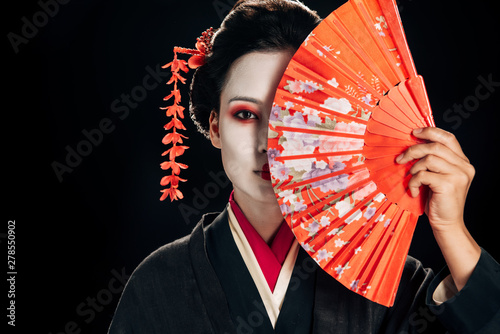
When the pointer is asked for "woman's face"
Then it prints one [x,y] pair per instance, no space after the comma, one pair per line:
[240,131]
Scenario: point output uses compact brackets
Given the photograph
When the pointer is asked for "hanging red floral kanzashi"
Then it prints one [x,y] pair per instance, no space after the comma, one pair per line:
[176,113]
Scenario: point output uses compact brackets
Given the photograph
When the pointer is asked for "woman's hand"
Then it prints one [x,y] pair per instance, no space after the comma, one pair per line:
[444,168]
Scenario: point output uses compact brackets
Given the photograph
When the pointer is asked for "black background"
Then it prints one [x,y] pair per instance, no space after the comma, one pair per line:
[106,215]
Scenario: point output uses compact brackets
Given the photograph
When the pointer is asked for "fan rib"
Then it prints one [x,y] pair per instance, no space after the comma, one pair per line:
[388,114]
[403,229]
[378,128]
[400,195]
[322,177]
[359,238]
[337,93]
[390,211]
[316,155]
[322,132]
[372,153]
[327,201]
[346,70]
[365,18]
[393,19]
[340,221]
[350,98]
[336,24]
[401,248]
[379,251]
[403,100]
[418,94]
[375,140]
[287,96]
[375,165]
[332,91]
[395,103]
[377,241]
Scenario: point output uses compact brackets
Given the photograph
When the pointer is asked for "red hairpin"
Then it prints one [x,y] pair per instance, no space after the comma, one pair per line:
[176,111]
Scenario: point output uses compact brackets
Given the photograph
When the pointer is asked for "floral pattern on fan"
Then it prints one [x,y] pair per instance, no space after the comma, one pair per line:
[344,109]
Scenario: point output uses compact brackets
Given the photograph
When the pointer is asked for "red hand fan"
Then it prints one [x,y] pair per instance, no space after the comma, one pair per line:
[344,110]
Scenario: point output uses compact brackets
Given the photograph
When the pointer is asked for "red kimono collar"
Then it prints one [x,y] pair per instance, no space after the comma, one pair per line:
[270,258]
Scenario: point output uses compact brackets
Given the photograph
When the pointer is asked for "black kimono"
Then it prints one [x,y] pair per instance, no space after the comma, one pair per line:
[200,284]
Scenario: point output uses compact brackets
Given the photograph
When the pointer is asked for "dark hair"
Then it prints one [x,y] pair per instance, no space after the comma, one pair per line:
[252,25]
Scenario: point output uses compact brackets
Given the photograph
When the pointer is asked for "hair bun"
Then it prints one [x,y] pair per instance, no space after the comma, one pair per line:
[252,25]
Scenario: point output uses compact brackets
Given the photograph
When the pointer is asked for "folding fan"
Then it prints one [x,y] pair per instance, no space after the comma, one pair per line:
[344,110]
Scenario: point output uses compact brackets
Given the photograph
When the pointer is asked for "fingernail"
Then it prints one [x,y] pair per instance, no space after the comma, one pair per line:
[417,131]
[399,157]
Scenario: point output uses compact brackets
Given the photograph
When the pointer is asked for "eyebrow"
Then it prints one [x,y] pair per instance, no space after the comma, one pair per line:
[245,98]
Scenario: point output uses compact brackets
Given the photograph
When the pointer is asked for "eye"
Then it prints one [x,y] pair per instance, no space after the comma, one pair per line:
[245,114]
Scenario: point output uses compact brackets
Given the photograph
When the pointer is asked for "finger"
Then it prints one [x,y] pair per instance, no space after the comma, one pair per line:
[434,164]
[419,151]
[423,178]
[438,174]
[441,136]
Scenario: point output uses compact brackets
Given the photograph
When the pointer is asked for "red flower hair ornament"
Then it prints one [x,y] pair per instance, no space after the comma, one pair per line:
[175,112]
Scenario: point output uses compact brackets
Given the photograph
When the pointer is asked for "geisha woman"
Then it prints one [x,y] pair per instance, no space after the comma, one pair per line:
[242,271]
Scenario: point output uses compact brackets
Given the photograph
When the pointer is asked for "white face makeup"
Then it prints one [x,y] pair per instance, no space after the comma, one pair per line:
[241,129]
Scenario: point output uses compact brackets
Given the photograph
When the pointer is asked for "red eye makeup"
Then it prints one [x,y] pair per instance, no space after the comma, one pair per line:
[244,111]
